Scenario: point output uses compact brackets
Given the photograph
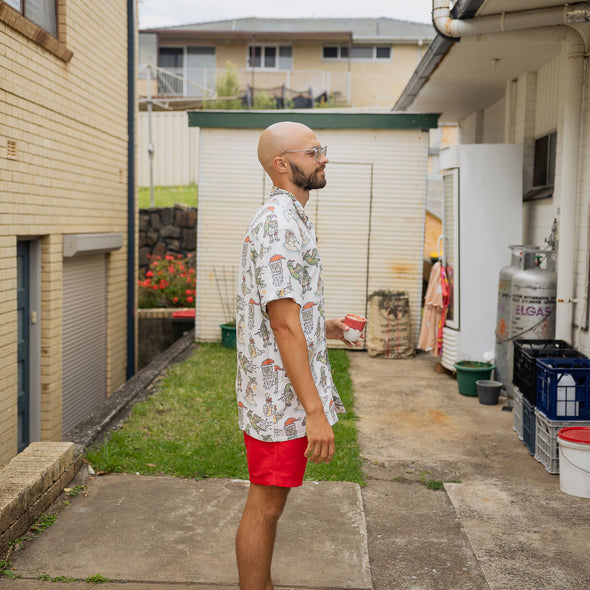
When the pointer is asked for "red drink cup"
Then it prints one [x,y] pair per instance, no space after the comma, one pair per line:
[356,325]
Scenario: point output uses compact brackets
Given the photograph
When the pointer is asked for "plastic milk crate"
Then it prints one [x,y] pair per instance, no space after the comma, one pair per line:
[546,448]
[517,412]
[528,426]
[563,388]
[526,353]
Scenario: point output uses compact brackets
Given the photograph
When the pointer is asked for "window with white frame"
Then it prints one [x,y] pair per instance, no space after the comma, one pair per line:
[360,52]
[270,57]
[543,168]
[42,12]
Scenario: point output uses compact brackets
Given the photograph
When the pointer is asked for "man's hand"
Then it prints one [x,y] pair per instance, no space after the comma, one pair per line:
[335,331]
[320,438]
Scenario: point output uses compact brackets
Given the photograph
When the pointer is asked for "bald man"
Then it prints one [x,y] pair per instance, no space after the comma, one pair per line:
[287,401]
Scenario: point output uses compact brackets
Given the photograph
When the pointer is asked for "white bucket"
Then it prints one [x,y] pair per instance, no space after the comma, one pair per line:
[574,461]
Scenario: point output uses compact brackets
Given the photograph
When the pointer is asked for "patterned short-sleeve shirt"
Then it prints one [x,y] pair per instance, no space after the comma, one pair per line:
[280,259]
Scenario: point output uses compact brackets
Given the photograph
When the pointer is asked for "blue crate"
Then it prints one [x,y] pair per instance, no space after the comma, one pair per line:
[563,388]
[528,426]
[526,352]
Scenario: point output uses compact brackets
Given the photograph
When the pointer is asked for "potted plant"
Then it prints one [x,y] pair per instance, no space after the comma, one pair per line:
[225,287]
[166,296]
[469,372]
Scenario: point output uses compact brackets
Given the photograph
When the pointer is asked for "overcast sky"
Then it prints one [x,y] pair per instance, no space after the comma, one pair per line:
[161,13]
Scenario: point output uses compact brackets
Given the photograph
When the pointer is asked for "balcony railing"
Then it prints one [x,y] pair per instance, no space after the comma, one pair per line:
[201,83]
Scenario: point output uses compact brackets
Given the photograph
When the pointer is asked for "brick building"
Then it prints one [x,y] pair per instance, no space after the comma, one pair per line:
[64,200]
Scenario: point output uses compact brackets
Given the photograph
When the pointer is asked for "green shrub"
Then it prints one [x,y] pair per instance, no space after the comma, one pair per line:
[228,90]
[169,282]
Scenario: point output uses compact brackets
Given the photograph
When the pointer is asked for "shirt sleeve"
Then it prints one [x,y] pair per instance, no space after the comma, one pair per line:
[279,265]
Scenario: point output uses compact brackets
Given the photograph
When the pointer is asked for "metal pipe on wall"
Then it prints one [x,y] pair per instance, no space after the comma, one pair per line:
[572,118]
[131,102]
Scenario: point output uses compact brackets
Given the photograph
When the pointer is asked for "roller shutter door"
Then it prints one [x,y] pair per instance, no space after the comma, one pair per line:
[84,337]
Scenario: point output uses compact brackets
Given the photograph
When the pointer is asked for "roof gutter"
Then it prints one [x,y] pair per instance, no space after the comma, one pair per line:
[572,119]
[435,53]
[451,28]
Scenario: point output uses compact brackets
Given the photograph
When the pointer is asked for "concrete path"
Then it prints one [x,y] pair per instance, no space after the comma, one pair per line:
[499,523]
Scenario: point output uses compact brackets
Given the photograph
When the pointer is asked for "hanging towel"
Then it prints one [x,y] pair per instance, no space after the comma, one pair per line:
[433,307]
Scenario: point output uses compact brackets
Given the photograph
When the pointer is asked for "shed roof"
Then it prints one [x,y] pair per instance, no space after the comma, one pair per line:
[362,29]
[316,119]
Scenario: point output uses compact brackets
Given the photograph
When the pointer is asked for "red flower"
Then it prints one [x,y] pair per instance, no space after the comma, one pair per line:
[189,299]
[149,273]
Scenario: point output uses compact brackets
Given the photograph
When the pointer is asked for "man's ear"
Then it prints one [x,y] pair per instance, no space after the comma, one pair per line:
[280,165]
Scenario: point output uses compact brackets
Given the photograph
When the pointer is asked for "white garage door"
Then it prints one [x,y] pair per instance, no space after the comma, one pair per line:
[84,337]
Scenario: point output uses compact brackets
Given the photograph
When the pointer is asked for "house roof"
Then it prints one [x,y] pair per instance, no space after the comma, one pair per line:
[362,29]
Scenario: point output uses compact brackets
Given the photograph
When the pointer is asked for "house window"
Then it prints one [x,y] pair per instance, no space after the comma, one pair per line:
[171,75]
[360,52]
[41,12]
[543,168]
[270,57]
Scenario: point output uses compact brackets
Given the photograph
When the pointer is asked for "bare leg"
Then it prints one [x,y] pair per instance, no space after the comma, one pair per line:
[256,535]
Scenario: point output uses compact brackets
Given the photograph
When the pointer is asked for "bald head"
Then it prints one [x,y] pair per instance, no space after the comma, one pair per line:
[282,136]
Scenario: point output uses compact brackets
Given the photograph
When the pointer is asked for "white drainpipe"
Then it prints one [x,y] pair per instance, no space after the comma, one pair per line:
[574,88]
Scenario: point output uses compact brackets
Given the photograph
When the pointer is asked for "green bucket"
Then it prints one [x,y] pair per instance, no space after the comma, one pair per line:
[228,336]
[469,372]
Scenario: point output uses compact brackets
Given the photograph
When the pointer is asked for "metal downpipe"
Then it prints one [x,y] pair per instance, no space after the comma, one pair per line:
[572,121]
[130,188]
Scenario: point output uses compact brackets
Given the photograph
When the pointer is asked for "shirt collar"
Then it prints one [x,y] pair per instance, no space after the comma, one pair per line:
[298,206]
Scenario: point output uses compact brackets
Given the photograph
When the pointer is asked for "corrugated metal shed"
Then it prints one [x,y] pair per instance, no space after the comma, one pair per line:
[369,218]
[176,149]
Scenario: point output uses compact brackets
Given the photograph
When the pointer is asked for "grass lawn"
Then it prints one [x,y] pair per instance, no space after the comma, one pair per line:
[167,196]
[189,428]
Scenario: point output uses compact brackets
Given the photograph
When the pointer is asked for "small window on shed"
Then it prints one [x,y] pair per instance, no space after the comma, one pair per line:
[543,168]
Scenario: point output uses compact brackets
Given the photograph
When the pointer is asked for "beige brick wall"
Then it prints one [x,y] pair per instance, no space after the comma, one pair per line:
[8,350]
[69,121]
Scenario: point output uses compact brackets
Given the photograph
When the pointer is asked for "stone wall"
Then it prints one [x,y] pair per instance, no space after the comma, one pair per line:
[167,230]
[157,330]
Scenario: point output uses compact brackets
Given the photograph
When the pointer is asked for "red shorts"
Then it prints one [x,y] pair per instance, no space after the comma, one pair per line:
[276,463]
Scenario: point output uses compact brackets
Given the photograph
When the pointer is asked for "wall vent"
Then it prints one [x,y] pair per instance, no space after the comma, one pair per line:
[11,149]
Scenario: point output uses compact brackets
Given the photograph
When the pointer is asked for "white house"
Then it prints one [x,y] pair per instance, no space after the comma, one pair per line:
[514,73]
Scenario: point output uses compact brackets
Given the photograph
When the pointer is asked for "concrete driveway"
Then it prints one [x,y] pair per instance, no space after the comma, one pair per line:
[499,523]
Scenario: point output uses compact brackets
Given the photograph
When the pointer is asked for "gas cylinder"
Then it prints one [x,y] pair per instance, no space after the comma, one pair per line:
[522,257]
[532,312]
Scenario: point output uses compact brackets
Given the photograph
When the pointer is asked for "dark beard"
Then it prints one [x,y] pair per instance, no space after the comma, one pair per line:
[306,182]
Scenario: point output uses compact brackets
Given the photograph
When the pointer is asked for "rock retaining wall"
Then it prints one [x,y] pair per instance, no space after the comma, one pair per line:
[167,231]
